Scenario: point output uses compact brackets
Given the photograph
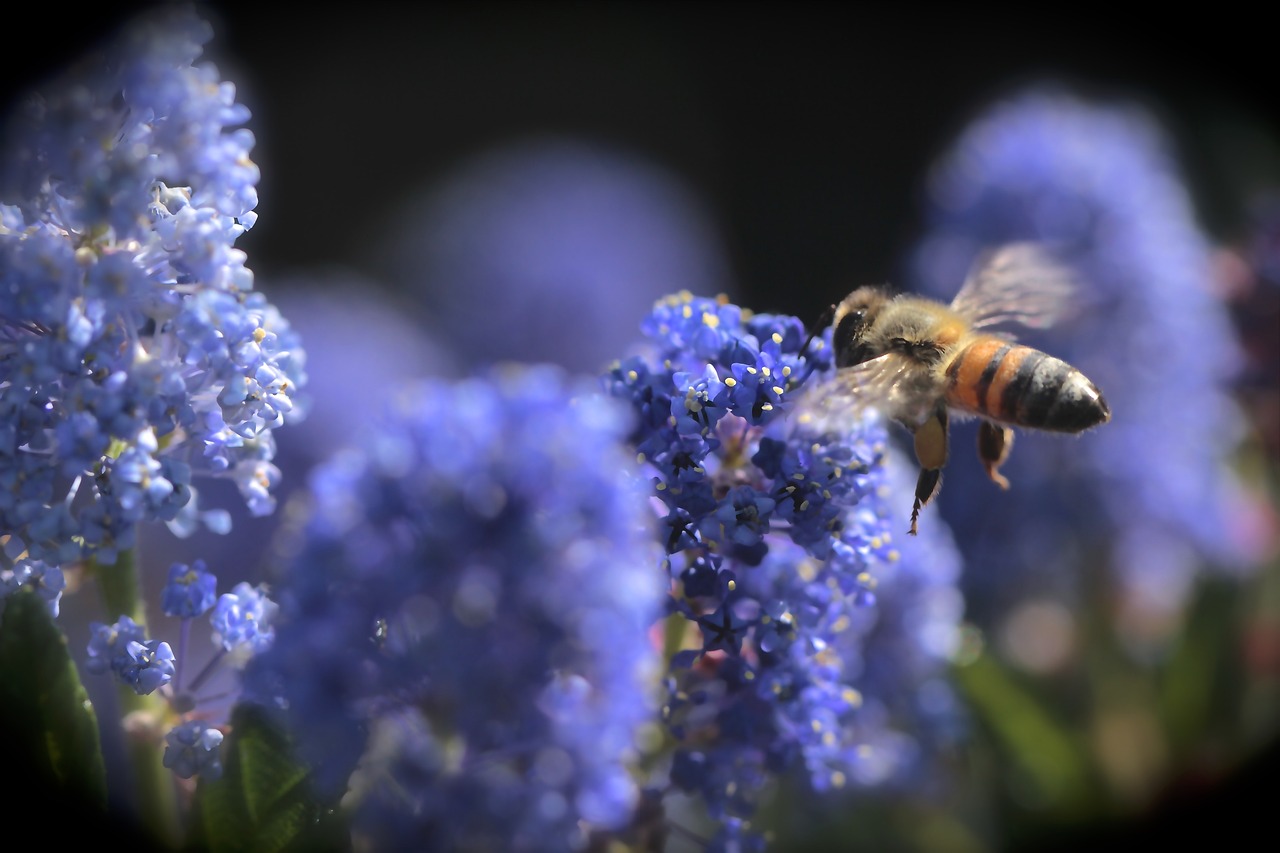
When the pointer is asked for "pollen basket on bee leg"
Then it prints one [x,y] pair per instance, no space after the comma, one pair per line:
[931,442]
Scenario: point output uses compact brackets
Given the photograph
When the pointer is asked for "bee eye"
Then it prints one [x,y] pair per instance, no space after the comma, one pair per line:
[847,335]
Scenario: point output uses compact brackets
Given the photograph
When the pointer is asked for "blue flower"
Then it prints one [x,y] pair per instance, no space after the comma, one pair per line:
[145,665]
[47,581]
[778,530]
[107,642]
[469,617]
[135,352]
[243,620]
[191,590]
[191,749]
[1152,489]
[150,666]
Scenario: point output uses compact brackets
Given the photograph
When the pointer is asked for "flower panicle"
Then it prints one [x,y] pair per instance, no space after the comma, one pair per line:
[777,531]
[136,353]
[243,625]
[477,580]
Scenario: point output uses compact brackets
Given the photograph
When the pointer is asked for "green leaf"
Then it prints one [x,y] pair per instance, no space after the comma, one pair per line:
[262,802]
[1202,671]
[1051,762]
[49,725]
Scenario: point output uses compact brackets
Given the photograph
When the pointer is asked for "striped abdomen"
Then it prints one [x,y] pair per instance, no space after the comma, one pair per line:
[1022,386]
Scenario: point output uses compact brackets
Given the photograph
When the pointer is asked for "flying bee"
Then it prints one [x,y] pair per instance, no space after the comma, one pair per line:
[917,360]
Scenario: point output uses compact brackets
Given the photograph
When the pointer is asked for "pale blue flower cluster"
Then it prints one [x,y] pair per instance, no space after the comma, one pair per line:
[468,616]
[134,353]
[242,621]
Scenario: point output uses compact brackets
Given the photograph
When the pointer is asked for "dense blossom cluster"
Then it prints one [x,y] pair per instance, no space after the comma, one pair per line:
[134,352]
[1152,487]
[777,534]
[135,355]
[468,617]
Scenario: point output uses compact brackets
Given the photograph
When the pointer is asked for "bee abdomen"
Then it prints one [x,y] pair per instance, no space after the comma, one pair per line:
[1025,387]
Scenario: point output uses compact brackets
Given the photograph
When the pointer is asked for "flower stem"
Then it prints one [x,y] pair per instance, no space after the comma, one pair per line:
[121,588]
[143,717]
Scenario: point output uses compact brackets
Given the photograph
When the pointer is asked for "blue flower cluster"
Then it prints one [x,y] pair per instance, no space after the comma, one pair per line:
[1152,488]
[123,648]
[134,352]
[47,581]
[778,534]
[243,625]
[468,616]
[191,749]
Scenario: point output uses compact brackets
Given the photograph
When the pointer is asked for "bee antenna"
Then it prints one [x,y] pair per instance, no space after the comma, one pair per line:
[823,320]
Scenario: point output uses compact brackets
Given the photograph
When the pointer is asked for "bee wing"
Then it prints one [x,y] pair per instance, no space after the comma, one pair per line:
[891,384]
[1020,284]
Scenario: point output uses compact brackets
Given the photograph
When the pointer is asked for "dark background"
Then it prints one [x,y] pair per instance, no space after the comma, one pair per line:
[807,129]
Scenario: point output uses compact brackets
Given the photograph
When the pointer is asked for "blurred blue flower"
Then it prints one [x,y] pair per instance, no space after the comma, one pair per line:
[1150,493]
[910,712]
[134,350]
[508,240]
[778,530]
[468,616]
[191,749]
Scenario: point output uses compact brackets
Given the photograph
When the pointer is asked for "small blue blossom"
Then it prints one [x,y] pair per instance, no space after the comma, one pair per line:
[1152,489]
[150,666]
[47,581]
[145,665]
[135,353]
[192,748]
[191,590]
[107,642]
[468,619]
[243,620]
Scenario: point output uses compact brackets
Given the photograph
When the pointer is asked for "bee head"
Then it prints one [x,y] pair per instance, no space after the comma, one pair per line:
[853,317]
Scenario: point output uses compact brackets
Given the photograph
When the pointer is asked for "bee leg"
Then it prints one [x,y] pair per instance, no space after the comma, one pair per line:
[931,451]
[926,488]
[994,444]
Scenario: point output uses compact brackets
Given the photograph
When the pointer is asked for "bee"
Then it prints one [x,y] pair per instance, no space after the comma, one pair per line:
[919,361]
